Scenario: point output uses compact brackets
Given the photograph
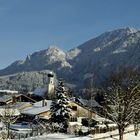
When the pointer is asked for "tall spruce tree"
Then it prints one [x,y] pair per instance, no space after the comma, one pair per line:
[60,112]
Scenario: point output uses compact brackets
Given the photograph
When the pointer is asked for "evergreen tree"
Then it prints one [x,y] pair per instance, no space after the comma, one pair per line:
[60,112]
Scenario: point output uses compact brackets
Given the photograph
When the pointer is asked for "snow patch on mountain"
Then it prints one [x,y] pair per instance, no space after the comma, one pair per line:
[119,51]
[73,53]
[97,49]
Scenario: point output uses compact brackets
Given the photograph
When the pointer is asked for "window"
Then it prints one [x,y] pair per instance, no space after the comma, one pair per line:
[74,108]
[73,119]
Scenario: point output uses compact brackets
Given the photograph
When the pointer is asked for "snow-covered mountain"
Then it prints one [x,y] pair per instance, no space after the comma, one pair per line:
[52,58]
[106,52]
[97,56]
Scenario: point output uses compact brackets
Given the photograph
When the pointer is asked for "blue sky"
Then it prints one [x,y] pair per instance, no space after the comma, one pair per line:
[27,26]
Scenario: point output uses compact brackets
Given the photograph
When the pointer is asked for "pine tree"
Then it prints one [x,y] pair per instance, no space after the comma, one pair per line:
[60,112]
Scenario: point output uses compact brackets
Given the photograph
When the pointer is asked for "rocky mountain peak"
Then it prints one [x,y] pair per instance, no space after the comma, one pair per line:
[28,58]
[55,51]
[72,53]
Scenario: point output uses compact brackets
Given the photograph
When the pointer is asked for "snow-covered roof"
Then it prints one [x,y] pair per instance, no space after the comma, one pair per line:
[89,103]
[8,91]
[100,125]
[112,125]
[22,105]
[6,98]
[20,127]
[39,104]
[100,119]
[44,117]
[34,110]
[37,108]
[74,123]
[19,104]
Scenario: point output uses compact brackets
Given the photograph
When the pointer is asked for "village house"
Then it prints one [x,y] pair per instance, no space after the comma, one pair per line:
[13,98]
[38,110]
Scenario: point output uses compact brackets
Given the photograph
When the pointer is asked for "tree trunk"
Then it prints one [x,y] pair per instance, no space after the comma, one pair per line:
[8,130]
[136,129]
[121,132]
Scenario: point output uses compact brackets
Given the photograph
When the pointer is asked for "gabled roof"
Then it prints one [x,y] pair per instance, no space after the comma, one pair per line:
[37,108]
[100,119]
[6,98]
[28,98]
[9,91]
[22,105]
[88,103]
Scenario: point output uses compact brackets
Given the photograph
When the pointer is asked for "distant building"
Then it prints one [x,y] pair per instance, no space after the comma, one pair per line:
[13,98]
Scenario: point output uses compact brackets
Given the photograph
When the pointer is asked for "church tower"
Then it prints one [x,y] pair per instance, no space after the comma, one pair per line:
[50,85]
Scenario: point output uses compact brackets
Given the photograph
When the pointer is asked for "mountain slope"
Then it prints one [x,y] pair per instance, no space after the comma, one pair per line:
[108,51]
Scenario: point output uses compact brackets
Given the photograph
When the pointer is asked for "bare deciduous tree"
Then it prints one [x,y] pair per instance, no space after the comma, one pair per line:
[122,100]
[8,115]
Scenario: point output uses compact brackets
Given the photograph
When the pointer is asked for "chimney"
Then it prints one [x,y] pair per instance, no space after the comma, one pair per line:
[43,103]
[13,99]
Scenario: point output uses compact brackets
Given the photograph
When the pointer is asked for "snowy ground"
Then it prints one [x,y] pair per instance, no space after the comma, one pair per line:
[58,136]
[129,136]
